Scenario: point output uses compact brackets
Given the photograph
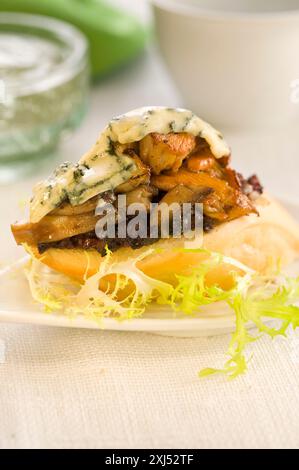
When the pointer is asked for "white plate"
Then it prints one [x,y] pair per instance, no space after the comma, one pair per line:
[17,306]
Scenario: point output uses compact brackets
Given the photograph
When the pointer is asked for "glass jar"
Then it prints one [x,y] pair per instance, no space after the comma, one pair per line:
[44,80]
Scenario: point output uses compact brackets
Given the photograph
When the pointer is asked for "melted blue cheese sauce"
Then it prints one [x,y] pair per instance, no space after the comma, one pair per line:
[100,169]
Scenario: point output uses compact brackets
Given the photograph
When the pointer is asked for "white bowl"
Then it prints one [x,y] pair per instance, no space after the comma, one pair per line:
[235,66]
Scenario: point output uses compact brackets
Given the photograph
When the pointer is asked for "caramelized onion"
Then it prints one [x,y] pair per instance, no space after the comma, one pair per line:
[54,228]
[141,175]
[68,209]
[141,195]
[182,194]
[191,180]
[200,163]
[166,151]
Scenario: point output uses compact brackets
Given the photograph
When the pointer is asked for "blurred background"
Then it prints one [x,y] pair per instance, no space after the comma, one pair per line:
[55,80]
[63,77]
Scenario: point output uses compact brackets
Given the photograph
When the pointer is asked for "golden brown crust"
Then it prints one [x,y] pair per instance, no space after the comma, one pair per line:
[259,242]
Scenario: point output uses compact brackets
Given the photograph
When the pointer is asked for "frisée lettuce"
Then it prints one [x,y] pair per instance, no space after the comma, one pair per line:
[255,299]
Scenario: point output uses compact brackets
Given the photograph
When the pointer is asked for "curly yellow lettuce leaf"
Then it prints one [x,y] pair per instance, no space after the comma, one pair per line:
[254,299]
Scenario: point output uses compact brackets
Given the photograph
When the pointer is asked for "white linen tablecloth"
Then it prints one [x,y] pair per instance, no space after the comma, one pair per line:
[64,388]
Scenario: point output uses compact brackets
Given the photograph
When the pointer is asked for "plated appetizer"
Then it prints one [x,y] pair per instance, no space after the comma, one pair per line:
[154,158]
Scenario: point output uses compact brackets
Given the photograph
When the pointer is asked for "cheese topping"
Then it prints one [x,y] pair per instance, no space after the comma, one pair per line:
[100,169]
